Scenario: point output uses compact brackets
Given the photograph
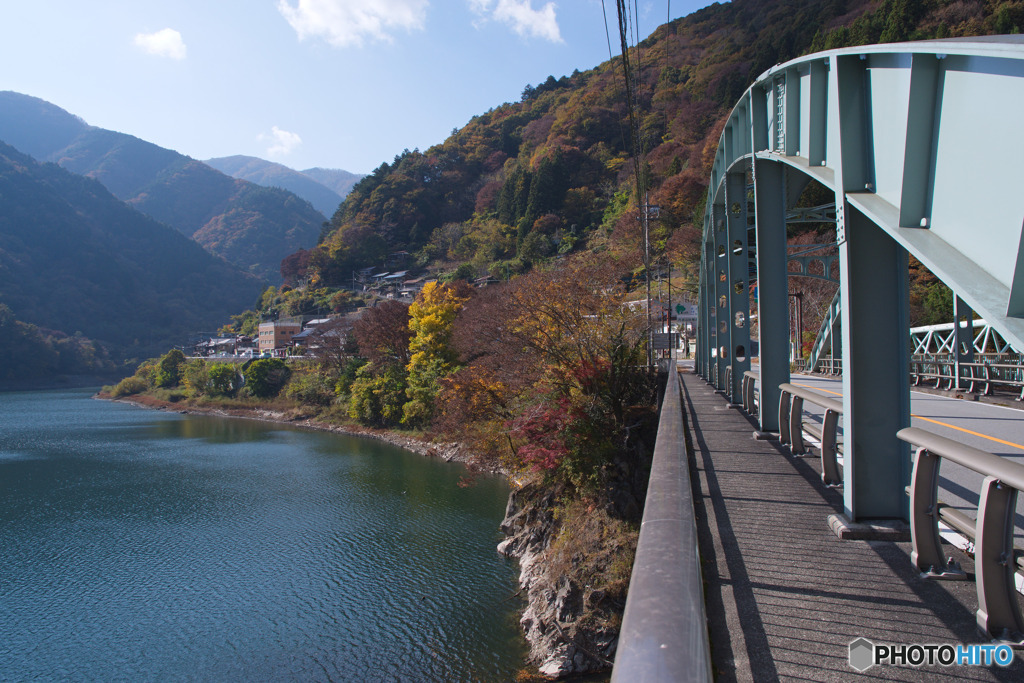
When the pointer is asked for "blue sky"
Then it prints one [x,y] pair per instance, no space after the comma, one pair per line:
[335,83]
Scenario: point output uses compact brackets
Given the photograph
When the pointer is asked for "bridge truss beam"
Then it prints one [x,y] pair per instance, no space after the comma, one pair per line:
[919,143]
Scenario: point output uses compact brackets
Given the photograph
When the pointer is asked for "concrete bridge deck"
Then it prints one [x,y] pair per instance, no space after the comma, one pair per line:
[785,597]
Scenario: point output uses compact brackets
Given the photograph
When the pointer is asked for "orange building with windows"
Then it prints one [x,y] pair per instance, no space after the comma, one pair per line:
[277,335]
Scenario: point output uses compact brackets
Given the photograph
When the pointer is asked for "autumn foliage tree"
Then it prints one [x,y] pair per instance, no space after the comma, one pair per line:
[431,318]
[553,383]
[592,349]
[383,334]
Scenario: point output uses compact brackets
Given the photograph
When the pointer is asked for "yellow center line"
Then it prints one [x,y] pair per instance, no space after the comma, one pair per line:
[968,431]
[809,386]
[928,419]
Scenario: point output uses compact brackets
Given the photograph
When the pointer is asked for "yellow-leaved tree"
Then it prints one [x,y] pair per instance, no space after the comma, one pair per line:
[431,318]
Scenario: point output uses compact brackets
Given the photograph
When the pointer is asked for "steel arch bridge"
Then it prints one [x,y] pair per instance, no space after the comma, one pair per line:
[922,146]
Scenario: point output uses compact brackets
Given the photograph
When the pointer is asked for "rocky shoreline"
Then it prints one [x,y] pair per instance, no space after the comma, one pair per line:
[560,643]
[553,606]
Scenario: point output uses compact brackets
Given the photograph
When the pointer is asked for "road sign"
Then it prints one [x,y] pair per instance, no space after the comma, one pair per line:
[662,341]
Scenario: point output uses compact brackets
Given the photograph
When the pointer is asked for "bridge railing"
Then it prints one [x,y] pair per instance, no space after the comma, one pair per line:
[996,558]
[792,426]
[981,377]
[664,633]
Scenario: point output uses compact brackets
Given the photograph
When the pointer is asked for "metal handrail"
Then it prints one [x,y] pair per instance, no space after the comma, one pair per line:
[664,634]
[982,375]
[986,379]
[792,426]
[998,613]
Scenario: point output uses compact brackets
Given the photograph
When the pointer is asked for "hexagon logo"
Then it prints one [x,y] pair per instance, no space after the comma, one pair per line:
[862,654]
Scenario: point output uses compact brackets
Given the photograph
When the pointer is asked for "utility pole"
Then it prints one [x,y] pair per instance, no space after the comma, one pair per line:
[647,277]
[671,343]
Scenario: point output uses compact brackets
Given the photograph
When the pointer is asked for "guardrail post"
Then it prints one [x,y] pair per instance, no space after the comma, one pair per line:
[796,430]
[784,401]
[927,553]
[963,336]
[998,612]
[829,449]
[750,401]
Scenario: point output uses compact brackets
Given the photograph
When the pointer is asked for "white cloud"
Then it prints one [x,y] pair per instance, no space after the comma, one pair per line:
[347,23]
[164,43]
[281,142]
[521,17]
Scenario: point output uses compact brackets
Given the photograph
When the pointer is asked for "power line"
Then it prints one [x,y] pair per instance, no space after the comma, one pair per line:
[632,104]
[608,37]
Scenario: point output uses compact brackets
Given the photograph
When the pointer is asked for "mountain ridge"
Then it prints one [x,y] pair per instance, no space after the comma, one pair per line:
[74,258]
[268,223]
[323,197]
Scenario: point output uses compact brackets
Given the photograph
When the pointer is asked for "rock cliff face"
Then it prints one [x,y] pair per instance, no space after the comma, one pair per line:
[562,639]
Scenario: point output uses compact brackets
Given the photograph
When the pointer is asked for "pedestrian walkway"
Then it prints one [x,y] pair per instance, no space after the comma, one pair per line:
[785,597]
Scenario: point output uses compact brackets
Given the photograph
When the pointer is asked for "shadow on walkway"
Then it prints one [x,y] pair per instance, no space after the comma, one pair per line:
[785,597]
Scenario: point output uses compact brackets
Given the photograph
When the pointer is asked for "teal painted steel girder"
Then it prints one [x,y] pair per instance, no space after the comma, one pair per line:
[942,339]
[941,171]
[920,141]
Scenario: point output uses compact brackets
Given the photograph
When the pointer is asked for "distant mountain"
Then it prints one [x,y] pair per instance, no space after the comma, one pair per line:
[74,258]
[340,181]
[268,174]
[250,226]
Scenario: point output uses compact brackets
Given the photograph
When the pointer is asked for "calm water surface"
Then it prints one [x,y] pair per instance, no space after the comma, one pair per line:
[140,545]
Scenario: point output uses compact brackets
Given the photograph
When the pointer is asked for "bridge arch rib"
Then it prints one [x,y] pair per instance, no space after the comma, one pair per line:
[919,143]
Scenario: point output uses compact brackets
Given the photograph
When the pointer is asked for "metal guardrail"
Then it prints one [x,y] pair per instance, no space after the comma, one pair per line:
[829,365]
[996,559]
[664,634]
[983,376]
[792,427]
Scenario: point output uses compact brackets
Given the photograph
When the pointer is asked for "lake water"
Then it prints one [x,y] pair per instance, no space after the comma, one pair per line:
[142,545]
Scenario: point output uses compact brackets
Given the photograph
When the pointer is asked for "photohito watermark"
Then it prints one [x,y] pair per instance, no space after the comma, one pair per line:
[864,654]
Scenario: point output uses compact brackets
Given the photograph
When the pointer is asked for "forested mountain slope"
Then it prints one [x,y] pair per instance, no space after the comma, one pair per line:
[269,174]
[75,258]
[554,172]
[334,178]
[251,226]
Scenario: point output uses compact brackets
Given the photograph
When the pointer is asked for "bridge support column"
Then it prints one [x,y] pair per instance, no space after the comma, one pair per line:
[720,305]
[876,386]
[708,312]
[772,287]
[738,283]
[963,337]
